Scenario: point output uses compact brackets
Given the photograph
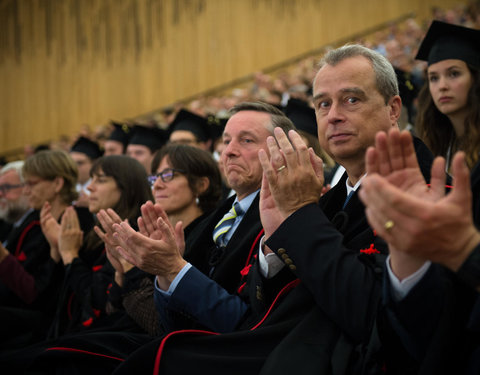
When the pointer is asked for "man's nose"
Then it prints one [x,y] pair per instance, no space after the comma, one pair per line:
[335,114]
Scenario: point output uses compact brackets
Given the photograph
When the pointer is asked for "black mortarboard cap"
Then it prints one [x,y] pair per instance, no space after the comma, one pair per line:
[87,147]
[302,115]
[152,137]
[217,125]
[445,41]
[121,133]
[198,125]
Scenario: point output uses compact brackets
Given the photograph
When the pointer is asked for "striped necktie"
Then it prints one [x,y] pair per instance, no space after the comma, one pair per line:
[224,225]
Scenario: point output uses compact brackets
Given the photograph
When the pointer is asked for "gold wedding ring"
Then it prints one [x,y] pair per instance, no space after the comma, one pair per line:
[281,168]
[389,224]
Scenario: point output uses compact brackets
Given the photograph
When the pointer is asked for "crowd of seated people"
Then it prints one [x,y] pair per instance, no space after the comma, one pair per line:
[306,223]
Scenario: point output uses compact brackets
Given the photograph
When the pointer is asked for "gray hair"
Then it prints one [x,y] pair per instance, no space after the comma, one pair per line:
[14,166]
[385,76]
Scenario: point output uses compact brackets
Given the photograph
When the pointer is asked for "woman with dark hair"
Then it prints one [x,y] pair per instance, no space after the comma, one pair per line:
[448,116]
[447,127]
[120,183]
[187,186]
[187,182]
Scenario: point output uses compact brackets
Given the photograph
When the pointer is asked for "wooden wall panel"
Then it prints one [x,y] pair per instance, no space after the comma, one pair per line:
[65,63]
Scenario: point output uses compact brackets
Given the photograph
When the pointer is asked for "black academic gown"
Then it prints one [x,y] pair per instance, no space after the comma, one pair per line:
[29,320]
[101,352]
[5,229]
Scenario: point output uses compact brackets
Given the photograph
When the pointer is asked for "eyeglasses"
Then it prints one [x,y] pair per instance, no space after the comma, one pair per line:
[166,175]
[4,189]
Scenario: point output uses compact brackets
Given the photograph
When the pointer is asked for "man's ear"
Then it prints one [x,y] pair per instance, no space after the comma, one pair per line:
[395,104]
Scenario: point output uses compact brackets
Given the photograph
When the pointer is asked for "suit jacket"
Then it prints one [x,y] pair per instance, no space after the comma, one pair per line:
[215,275]
[201,251]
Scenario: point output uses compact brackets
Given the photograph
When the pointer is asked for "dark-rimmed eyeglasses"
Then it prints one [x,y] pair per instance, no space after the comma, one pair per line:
[166,175]
[5,188]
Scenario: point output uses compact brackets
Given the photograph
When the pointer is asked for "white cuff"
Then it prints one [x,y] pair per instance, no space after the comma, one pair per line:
[399,288]
[270,264]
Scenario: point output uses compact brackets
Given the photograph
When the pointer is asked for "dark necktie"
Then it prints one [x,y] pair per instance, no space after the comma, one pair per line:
[348,198]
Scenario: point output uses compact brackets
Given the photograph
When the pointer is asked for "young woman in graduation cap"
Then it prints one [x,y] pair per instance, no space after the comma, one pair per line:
[448,117]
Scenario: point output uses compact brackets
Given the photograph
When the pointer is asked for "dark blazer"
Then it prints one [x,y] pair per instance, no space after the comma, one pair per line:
[201,251]
[215,275]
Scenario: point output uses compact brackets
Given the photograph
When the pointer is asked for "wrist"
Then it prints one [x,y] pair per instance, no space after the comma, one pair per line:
[164,280]
[459,257]
[403,264]
[68,258]
[119,277]
[54,254]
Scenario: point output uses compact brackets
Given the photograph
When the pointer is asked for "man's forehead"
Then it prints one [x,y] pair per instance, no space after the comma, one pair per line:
[137,148]
[359,91]
[182,134]
[347,83]
[9,175]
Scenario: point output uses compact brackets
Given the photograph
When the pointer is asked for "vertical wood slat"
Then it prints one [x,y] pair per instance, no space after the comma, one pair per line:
[65,63]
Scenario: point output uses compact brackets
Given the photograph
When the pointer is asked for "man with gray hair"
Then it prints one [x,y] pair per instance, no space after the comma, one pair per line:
[13,203]
[314,291]
[23,254]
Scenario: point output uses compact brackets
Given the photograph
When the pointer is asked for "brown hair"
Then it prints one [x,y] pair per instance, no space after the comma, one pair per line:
[437,131]
[195,163]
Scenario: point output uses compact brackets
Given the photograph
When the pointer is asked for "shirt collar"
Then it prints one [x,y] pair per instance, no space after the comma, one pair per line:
[246,202]
[350,188]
